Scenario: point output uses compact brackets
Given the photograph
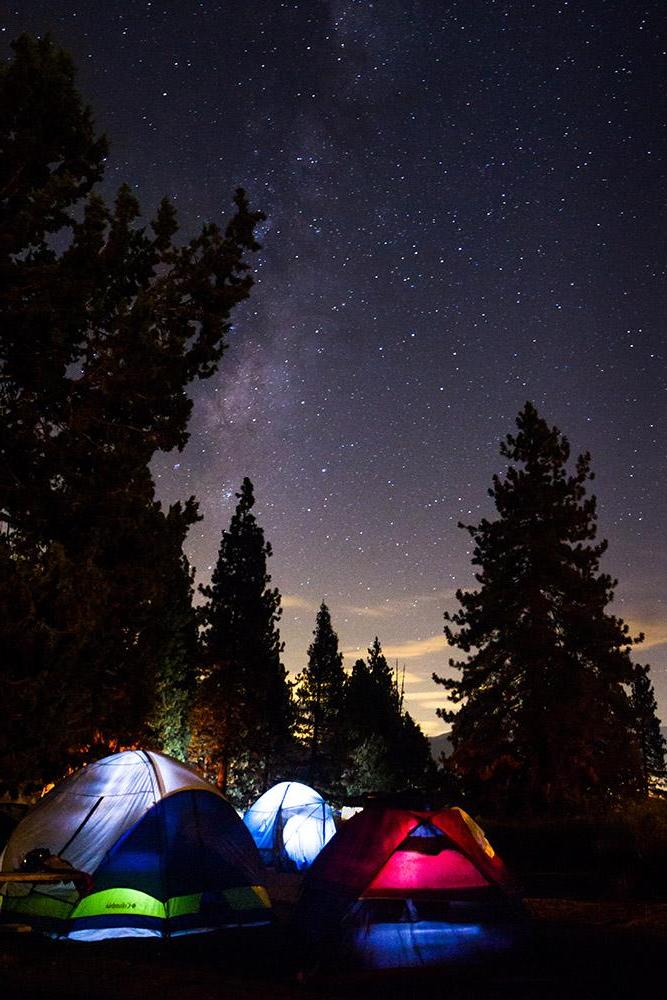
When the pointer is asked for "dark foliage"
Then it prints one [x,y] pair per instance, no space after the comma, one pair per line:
[387,750]
[647,725]
[320,705]
[545,722]
[244,713]
[618,854]
[105,322]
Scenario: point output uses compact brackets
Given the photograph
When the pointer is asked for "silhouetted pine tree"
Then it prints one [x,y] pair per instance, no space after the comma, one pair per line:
[647,725]
[414,761]
[386,748]
[372,698]
[105,323]
[244,702]
[545,721]
[320,701]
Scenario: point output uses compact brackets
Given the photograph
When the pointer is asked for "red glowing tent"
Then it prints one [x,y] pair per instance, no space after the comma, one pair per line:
[399,854]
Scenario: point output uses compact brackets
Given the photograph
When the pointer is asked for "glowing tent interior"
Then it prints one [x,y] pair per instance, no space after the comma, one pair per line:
[290,825]
[405,887]
[167,854]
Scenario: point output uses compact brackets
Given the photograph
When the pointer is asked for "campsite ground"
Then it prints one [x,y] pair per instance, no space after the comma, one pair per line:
[596,928]
[574,948]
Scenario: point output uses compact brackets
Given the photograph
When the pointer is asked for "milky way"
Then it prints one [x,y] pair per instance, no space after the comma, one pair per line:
[465,210]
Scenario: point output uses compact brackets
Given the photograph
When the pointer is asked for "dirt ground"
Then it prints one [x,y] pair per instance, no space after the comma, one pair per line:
[571,949]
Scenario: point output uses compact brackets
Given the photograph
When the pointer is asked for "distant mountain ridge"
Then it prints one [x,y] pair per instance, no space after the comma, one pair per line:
[441,744]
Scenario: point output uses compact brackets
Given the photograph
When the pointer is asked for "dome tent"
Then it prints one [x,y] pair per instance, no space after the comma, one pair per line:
[401,887]
[290,824]
[167,854]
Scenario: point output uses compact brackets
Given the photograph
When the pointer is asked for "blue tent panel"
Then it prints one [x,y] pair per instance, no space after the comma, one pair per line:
[190,842]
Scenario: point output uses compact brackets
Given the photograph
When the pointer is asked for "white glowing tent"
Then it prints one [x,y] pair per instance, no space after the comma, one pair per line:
[290,825]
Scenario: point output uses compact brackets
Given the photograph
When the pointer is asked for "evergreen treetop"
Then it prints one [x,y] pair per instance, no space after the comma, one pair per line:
[320,702]
[246,685]
[386,746]
[545,720]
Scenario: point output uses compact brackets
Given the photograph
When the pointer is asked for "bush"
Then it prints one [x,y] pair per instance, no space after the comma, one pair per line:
[622,854]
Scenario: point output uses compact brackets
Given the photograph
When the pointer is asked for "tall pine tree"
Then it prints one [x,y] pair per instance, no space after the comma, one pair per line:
[320,705]
[244,711]
[387,750]
[105,323]
[545,721]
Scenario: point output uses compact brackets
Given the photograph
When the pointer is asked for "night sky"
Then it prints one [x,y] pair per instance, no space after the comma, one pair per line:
[465,207]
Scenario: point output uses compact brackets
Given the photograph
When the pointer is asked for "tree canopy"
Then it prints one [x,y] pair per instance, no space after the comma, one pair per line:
[387,750]
[647,725]
[105,323]
[244,711]
[320,704]
[545,721]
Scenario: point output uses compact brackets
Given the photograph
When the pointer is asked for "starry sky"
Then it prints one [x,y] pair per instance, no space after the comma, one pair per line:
[465,208]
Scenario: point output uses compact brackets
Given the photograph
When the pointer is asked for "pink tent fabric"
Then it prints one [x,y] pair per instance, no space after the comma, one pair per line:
[408,872]
[363,858]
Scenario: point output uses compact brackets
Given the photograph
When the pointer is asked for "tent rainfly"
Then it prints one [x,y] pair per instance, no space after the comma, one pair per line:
[404,887]
[290,824]
[167,854]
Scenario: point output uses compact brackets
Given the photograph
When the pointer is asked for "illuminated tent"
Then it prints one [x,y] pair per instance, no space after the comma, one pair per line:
[290,825]
[167,854]
[405,887]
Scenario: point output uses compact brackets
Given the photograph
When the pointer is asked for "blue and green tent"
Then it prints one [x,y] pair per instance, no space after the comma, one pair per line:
[167,854]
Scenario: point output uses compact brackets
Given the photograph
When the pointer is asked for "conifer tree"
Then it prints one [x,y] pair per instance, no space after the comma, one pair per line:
[414,761]
[545,721]
[386,747]
[647,725]
[320,695]
[105,322]
[245,699]
[372,697]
